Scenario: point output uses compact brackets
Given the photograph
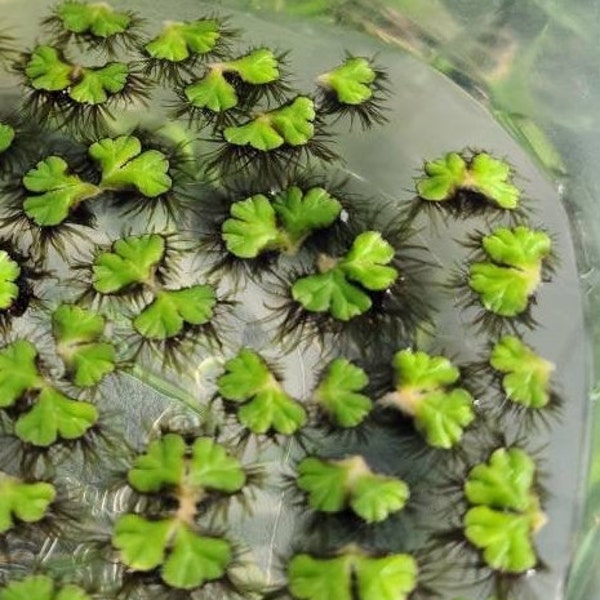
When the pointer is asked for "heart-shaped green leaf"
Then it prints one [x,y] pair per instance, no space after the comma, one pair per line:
[302,213]
[505,482]
[331,292]
[333,485]
[195,559]
[18,371]
[505,538]
[213,91]
[9,274]
[58,192]
[28,502]
[258,67]
[491,177]
[527,379]
[520,247]
[320,578]
[424,391]
[55,416]
[178,40]
[337,393]
[367,262]
[161,466]
[95,86]
[77,333]
[258,134]
[252,228]
[391,577]
[7,135]
[443,177]
[132,535]
[131,262]
[97,18]
[272,410]
[125,166]
[245,375]
[211,467]
[351,81]
[47,70]
[172,310]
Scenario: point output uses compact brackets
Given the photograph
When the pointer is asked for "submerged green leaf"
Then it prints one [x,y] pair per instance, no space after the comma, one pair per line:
[131,262]
[334,485]
[78,333]
[27,502]
[18,371]
[47,70]
[527,375]
[172,310]
[247,379]
[96,85]
[161,466]
[337,393]
[178,40]
[9,275]
[96,18]
[55,416]
[424,390]
[351,81]
[125,166]
[58,192]
[7,135]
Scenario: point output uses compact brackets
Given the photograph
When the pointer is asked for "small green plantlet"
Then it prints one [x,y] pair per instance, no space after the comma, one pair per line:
[125,166]
[131,262]
[56,193]
[356,87]
[78,334]
[55,416]
[507,510]
[19,372]
[335,485]
[26,502]
[426,391]
[337,394]
[352,575]
[41,587]
[180,40]
[481,174]
[507,281]
[10,272]
[97,19]
[173,310]
[258,225]
[265,404]
[526,377]
[168,463]
[7,135]
[291,124]
[188,559]
[334,291]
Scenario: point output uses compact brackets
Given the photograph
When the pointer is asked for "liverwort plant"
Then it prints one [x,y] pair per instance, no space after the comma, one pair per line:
[352,574]
[426,389]
[336,485]
[263,406]
[187,556]
[505,510]
[282,224]
[41,587]
[515,263]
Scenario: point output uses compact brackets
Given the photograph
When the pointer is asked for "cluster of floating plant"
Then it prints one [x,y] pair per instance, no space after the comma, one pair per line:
[345,275]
